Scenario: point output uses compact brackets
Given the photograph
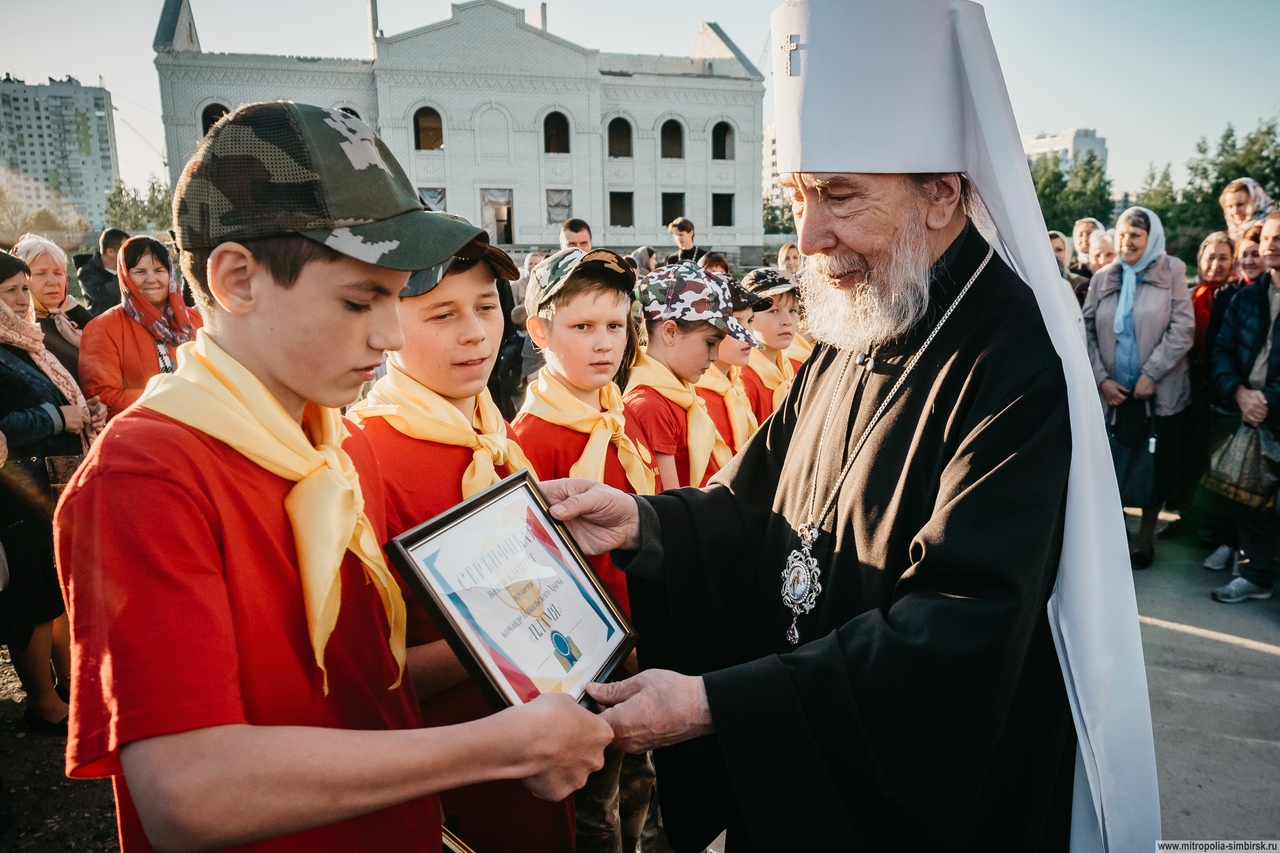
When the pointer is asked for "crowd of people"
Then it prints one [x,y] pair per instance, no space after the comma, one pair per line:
[633,370]
[1180,365]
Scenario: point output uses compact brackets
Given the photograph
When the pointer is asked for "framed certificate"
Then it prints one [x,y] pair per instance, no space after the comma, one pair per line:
[513,595]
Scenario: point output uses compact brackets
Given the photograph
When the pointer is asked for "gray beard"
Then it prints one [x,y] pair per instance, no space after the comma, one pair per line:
[891,300]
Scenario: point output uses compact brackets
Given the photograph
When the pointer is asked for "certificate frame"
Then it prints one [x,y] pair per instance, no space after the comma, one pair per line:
[458,564]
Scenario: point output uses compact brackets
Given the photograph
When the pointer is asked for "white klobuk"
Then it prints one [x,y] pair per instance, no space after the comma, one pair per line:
[915,86]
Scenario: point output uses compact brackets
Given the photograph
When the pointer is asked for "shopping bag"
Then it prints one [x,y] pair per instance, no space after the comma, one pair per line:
[1242,470]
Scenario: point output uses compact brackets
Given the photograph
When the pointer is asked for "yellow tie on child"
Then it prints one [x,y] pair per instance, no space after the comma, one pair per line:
[799,349]
[212,392]
[549,400]
[705,442]
[418,412]
[776,375]
[742,420]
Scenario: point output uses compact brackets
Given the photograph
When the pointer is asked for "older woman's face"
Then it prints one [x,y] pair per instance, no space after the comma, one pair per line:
[1133,242]
[1101,252]
[1059,248]
[49,280]
[1081,238]
[152,278]
[14,293]
[1216,263]
[1236,208]
[1249,259]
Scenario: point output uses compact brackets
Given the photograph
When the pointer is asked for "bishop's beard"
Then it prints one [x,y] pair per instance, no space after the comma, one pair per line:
[890,301]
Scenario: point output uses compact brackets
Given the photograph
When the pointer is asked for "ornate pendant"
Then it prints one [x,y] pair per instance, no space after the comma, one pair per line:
[800,584]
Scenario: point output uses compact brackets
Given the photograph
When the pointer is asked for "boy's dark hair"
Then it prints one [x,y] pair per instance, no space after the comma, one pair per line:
[284,257]
[11,265]
[586,280]
[1253,234]
[112,238]
[575,225]
[680,223]
[139,246]
[714,259]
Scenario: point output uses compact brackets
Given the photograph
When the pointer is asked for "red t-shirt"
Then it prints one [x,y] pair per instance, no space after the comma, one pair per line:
[181,576]
[761,397]
[423,479]
[553,450]
[664,428]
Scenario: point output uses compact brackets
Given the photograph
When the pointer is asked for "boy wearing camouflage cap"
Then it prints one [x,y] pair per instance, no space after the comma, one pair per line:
[687,311]
[240,660]
[721,386]
[769,374]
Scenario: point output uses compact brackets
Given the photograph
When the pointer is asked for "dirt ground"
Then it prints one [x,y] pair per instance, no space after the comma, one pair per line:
[49,811]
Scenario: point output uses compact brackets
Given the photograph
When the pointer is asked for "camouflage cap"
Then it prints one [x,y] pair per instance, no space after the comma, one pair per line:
[767,281]
[741,298]
[550,276]
[500,263]
[278,168]
[686,291]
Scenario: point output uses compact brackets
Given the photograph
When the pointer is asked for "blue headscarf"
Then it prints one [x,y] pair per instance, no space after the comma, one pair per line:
[1142,218]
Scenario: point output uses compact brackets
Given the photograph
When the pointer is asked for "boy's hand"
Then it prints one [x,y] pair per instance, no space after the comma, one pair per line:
[601,518]
[565,743]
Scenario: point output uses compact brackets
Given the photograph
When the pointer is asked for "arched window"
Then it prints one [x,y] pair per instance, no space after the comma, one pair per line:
[428,130]
[672,140]
[351,111]
[555,134]
[722,141]
[619,138]
[209,117]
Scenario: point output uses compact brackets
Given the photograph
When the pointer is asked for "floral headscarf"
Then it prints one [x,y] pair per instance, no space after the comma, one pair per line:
[174,326]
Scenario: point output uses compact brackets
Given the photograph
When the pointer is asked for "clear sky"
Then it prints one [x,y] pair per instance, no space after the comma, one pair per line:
[1152,76]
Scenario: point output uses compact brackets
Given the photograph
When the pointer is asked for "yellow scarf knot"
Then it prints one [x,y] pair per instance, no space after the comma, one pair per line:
[776,375]
[548,399]
[705,442]
[742,420]
[212,392]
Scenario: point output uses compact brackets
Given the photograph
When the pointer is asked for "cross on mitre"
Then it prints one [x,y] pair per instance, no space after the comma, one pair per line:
[789,47]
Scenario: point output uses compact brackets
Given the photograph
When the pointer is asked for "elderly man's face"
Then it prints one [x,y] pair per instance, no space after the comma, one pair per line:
[865,237]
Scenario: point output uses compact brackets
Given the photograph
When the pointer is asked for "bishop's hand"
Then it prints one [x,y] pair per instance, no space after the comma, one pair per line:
[601,518]
[653,709]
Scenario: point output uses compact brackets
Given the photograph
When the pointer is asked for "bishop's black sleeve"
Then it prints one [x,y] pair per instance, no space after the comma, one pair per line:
[901,710]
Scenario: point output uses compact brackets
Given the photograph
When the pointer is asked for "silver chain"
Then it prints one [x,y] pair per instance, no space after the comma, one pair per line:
[815,524]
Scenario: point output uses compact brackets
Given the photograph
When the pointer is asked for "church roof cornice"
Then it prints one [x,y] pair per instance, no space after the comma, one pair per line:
[517,14]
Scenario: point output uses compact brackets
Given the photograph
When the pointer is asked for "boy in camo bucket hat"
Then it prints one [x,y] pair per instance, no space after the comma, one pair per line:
[278,697]
[687,311]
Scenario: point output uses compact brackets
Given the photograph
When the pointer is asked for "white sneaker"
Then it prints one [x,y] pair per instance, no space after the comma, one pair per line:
[1217,561]
[1240,590]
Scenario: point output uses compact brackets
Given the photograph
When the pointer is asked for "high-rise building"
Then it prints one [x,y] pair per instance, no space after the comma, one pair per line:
[769,161]
[57,147]
[1066,145]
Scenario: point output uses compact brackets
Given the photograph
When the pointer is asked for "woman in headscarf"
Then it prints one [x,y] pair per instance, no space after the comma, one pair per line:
[1064,251]
[1102,251]
[1080,234]
[1244,202]
[646,260]
[138,338]
[1139,325]
[61,318]
[43,417]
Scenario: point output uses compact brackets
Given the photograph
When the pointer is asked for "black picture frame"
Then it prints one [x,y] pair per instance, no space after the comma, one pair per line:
[479,650]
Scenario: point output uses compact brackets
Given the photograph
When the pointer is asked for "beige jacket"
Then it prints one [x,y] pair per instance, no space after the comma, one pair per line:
[1163,321]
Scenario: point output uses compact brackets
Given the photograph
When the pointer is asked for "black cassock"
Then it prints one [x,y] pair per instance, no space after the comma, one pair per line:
[924,704]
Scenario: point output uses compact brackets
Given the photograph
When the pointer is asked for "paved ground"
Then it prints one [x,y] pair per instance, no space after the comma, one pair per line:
[1215,704]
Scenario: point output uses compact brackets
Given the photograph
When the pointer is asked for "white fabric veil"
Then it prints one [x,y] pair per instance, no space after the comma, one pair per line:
[915,86]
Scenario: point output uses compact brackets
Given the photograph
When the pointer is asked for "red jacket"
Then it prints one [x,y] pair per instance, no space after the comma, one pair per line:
[117,357]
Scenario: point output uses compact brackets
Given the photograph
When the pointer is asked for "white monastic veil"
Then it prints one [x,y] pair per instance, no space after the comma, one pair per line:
[876,86]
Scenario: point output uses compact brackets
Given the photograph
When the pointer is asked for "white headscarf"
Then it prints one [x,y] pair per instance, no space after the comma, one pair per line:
[923,93]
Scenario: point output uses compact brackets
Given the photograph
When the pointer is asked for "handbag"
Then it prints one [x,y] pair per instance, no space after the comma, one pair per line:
[1242,470]
[1132,436]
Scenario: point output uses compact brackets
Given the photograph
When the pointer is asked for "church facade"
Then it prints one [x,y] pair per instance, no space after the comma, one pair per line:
[500,121]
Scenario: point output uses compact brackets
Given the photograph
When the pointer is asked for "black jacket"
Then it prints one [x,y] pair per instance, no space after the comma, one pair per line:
[101,288]
[1244,326]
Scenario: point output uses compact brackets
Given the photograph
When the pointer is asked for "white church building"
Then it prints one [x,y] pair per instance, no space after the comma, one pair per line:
[496,119]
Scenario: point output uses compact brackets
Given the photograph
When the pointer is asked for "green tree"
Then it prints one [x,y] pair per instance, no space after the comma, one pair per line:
[10,217]
[158,207]
[1050,183]
[1158,195]
[778,219]
[1087,193]
[125,209]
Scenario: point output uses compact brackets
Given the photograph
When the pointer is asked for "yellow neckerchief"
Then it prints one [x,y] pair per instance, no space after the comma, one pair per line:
[776,375]
[212,392]
[549,400]
[704,439]
[415,410]
[742,420]
[799,349]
